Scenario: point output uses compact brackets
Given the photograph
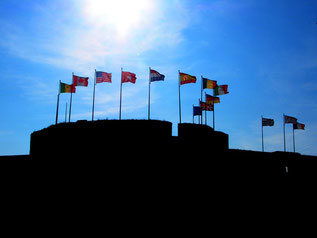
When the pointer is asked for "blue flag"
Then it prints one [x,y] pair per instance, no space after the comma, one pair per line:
[197,111]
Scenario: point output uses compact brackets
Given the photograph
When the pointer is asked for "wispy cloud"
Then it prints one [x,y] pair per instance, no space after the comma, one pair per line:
[64,35]
[81,41]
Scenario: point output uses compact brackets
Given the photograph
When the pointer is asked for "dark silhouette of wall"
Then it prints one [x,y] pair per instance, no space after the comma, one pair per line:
[203,137]
[138,165]
[144,151]
[107,140]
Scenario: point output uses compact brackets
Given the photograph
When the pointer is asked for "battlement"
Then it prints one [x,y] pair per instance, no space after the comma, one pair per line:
[148,147]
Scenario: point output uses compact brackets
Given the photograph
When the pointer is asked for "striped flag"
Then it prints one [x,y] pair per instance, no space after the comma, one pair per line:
[267,122]
[299,126]
[102,77]
[186,78]
[221,90]
[156,76]
[210,99]
[207,83]
[66,88]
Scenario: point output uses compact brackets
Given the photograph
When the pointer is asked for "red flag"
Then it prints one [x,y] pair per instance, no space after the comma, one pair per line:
[186,78]
[206,107]
[128,77]
[291,120]
[80,81]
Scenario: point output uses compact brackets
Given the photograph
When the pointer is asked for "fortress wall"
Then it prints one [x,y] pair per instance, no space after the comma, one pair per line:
[143,149]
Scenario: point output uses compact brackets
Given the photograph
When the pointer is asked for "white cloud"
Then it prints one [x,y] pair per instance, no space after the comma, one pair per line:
[64,35]
[82,41]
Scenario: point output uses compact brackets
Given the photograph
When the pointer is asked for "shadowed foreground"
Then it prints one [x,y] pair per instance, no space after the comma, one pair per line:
[146,150]
[136,168]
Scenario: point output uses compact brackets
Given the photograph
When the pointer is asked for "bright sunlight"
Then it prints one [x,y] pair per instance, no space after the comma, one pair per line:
[122,16]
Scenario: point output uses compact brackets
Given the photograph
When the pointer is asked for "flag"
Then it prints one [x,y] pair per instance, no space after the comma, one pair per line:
[102,77]
[267,122]
[156,76]
[299,126]
[66,88]
[207,83]
[291,120]
[197,111]
[186,78]
[221,90]
[128,77]
[206,107]
[210,99]
[80,81]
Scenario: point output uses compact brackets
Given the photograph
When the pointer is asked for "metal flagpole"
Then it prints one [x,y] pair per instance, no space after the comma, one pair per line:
[201,98]
[293,139]
[213,111]
[193,114]
[179,98]
[71,98]
[70,103]
[206,110]
[59,92]
[200,116]
[66,113]
[262,133]
[149,93]
[93,100]
[284,131]
[120,96]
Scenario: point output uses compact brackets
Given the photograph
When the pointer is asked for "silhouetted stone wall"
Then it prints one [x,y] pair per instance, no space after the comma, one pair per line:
[106,139]
[146,150]
[203,137]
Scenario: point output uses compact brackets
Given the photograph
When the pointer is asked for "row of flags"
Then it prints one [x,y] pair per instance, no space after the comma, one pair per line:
[210,100]
[129,77]
[184,78]
[286,120]
[103,77]
[100,77]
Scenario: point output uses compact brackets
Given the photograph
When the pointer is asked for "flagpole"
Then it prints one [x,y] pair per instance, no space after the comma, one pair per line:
[293,139]
[93,100]
[193,114]
[284,131]
[149,93]
[262,133]
[71,98]
[120,96]
[66,113]
[59,92]
[179,97]
[201,98]
[201,116]
[206,110]
[213,111]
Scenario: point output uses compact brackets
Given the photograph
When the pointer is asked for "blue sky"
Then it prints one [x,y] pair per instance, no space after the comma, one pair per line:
[266,51]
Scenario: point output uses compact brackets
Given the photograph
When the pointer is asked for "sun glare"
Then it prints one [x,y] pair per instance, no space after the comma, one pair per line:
[120,15]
